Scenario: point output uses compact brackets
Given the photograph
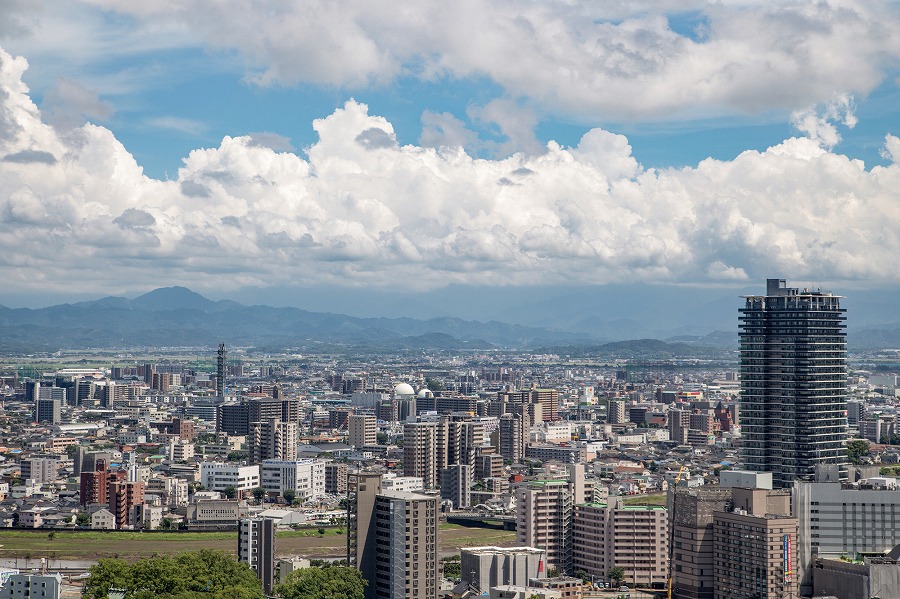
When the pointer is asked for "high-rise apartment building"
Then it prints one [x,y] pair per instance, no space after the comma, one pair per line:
[615,411]
[256,547]
[273,439]
[545,512]
[456,485]
[514,429]
[420,452]
[363,430]
[336,477]
[123,497]
[632,537]
[392,539]
[793,382]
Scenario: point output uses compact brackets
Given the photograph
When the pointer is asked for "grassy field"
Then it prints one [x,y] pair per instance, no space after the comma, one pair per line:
[92,545]
[654,499]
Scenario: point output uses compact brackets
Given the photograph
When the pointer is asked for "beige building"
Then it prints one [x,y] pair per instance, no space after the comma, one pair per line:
[420,440]
[692,535]
[544,515]
[635,538]
[755,546]
[363,430]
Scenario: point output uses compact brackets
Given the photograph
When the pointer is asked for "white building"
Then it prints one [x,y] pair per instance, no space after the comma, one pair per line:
[407,484]
[103,519]
[45,586]
[218,476]
[306,478]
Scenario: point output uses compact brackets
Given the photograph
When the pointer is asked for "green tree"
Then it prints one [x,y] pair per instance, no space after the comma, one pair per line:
[229,492]
[83,519]
[258,494]
[452,567]
[289,496]
[334,582]
[191,575]
[856,450]
[616,574]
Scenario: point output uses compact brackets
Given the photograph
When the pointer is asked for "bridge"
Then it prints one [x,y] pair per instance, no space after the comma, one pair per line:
[485,519]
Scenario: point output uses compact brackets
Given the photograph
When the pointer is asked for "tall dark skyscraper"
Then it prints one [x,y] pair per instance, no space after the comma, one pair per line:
[220,371]
[793,404]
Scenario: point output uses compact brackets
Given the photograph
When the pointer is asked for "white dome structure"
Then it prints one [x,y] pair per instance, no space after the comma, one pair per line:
[425,393]
[403,389]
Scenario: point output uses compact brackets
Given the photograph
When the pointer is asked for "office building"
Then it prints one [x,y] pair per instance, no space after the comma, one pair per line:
[363,430]
[487,567]
[835,520]
[420,445]
[633,537]
[218,476]
[48,410]
[392,540]
[238,418]
[256,547]
[272,439]
[304,478]
[793,382]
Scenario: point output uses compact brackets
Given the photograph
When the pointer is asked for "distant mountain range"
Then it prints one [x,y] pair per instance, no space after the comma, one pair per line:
[176,317]
[179,317]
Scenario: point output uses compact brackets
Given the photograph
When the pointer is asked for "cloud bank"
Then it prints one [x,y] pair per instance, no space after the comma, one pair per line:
[615,60]
[359,209]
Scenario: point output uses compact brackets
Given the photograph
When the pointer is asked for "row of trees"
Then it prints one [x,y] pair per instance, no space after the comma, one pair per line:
[208,574]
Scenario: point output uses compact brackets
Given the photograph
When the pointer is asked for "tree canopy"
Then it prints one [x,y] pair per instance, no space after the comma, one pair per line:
[616,573]
[856,450]
[203,574]
[331,582]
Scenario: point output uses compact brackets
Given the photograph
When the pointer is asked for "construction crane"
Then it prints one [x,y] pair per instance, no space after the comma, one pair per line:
[672,532]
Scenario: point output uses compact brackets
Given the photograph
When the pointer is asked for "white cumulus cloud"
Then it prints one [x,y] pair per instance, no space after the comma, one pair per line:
[361,209]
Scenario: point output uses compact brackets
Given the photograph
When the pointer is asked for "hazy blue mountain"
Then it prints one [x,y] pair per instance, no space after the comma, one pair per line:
[177,316]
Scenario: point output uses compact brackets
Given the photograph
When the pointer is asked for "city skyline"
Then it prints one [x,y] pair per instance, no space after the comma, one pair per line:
[283,149]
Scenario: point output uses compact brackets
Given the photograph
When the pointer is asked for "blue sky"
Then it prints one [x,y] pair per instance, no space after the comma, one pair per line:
[506,143]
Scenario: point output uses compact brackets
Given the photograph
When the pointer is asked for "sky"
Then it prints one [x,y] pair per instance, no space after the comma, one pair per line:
[270,148]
